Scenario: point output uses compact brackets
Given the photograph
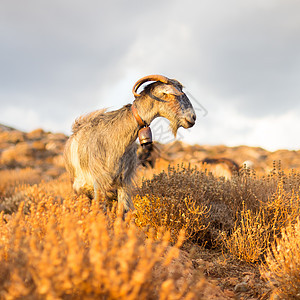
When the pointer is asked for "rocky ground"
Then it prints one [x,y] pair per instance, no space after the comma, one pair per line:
[37,149]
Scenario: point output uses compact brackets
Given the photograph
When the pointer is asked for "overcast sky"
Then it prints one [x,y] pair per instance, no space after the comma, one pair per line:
[239,59]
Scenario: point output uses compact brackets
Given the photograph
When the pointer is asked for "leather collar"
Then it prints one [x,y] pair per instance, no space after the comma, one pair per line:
[136,115]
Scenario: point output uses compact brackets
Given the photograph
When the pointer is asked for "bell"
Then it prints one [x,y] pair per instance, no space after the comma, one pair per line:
[145,136]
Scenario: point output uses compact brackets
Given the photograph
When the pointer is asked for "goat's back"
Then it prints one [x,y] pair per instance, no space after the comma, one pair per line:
[87,119]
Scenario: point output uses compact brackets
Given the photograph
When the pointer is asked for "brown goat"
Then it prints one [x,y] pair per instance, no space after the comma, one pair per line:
[100,155]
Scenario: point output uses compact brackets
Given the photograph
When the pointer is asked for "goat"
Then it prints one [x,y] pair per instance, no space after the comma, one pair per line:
[100,155]
[231,164]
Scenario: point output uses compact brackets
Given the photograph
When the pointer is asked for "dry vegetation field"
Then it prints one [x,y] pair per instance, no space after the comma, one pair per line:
[194,234]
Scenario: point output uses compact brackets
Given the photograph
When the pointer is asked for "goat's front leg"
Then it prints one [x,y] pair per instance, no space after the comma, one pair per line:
[98,197]
[124,199]
[104,199]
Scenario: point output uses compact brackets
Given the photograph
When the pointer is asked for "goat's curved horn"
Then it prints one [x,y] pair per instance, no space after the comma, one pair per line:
[160,78]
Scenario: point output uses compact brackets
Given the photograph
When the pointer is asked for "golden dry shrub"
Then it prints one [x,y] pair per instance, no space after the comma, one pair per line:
[172,215]
[255,230]
[71,250]
[282,208]
[282,267]
[212,201]
[9,179]
[250,237]
[57,189]
[21,152]
[18,185]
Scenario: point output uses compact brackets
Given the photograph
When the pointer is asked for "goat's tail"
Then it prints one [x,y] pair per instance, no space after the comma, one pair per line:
[85,119]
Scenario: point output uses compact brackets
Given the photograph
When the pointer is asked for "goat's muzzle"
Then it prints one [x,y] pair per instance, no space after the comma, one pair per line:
[188,121]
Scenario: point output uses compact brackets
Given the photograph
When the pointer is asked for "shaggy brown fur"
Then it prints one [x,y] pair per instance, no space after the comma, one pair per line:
[101,153]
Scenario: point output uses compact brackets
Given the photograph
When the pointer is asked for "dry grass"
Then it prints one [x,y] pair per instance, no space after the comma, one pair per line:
[21,185]
[218,200]
[282,268]
[12,178]
[54,245]
[11,184]
[66,248]
[282,208]
[250,237]
[243,215]
[253,232]
[173,215]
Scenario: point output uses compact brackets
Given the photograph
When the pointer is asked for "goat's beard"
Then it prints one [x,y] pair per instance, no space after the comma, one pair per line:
[174,126]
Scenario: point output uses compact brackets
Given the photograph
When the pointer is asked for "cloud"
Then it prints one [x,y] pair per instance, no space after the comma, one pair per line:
[233,129]
[30,119]
[61,59]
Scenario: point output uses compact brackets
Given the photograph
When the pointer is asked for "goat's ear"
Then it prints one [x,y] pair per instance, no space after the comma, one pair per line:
[170,90]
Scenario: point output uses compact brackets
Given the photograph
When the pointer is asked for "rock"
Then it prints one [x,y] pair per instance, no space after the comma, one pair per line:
[54,146]
[38,145]
[58,161]
[57,137]
[241,287]
[36,134]
[12,137]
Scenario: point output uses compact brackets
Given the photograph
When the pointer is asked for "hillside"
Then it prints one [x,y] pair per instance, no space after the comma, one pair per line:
[37,149]
[43,151]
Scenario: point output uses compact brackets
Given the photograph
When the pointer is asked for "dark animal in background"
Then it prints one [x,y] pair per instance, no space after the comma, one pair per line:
[232,165]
